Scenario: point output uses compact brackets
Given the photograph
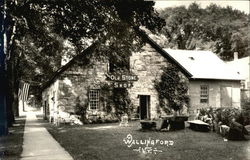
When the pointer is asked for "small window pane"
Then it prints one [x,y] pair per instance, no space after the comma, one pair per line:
[204,94]
[93,99]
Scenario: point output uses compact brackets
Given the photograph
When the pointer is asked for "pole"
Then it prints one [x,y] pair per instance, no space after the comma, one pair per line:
[23,106]
[3,74]
[248,80]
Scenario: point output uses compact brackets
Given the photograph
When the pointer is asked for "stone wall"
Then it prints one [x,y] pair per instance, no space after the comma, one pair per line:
[72,87]
[147,65]
[50,100]
[75,83]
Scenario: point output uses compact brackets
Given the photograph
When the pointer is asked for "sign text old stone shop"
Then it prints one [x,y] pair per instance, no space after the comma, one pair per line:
[122,80]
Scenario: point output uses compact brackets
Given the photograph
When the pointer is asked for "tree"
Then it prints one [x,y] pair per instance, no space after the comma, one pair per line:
[172,90]
[29,45]
[222,30]
[182,25]
[110,22]
[3,82]
[37,30]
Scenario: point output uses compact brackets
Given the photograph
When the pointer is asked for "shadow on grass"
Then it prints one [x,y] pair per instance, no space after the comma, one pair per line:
[11,145]
[105,142]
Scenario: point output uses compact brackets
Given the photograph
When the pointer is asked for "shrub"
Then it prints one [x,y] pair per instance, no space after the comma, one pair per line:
[117,99]
[246,112]
[207,111]
[122,102]
[80,109]
[172,89]
[225,115]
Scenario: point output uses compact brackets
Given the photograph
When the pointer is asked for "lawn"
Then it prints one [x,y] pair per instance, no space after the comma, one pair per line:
[105,142]
[11,145]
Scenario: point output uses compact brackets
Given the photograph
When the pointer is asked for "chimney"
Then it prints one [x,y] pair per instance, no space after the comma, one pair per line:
[235,55]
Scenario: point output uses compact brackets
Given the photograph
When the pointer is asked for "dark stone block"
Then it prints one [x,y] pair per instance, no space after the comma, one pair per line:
[199,125]
[236,131]
[174,123]
[201,128]
[177,125]
[148,125]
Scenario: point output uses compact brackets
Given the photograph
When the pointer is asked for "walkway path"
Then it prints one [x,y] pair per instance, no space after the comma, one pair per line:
[39,144]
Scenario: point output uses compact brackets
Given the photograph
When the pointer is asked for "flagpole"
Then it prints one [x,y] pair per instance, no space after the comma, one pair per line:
[23,106]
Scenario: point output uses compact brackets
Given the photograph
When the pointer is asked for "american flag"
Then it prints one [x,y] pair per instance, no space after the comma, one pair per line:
[23,91]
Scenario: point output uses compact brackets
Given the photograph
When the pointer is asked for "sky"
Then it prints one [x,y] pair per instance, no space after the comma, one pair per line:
[242,5]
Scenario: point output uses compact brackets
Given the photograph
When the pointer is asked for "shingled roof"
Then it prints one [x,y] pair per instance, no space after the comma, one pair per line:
[204,65]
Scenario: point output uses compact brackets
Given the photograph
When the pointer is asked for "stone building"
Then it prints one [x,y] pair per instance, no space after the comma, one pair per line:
[75,85]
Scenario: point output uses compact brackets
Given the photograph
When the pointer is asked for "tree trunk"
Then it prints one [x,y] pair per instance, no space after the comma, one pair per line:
[3,105]
[11,101]
[14,85]
[3,76]
[15,104]
[10,114]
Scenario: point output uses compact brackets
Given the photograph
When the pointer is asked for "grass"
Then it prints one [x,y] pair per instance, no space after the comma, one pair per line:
[11,145]
[105,142]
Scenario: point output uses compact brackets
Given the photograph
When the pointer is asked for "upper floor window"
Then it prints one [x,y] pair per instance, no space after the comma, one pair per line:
[94,99]
[204,94]
[118,65]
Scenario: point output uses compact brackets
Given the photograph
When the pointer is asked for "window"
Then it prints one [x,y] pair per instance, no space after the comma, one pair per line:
[115,65]
[93,99]
[204,94]
[112,67]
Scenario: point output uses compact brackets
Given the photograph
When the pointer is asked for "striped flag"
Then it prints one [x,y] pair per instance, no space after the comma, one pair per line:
[23,91]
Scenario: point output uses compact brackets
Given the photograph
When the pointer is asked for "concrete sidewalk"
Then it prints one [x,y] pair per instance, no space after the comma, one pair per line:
[39,144]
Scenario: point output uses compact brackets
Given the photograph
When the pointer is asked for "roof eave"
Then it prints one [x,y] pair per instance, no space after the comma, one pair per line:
[224,79]
[66,66]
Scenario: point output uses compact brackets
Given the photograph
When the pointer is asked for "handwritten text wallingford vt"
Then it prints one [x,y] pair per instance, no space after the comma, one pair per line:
[146,145]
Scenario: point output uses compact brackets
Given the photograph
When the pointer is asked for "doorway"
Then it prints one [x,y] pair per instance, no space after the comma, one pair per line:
[144,106]
[44,109]
[226,96]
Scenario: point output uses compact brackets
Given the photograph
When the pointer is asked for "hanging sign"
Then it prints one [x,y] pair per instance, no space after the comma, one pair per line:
[122,80]
[123,84]
[122,77]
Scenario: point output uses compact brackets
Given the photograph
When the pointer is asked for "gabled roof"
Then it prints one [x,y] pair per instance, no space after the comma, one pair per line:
[204,65]
[67,65]
[91,48]
[194,64]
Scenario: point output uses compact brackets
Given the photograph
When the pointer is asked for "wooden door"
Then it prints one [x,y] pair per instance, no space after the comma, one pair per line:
[144,106]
